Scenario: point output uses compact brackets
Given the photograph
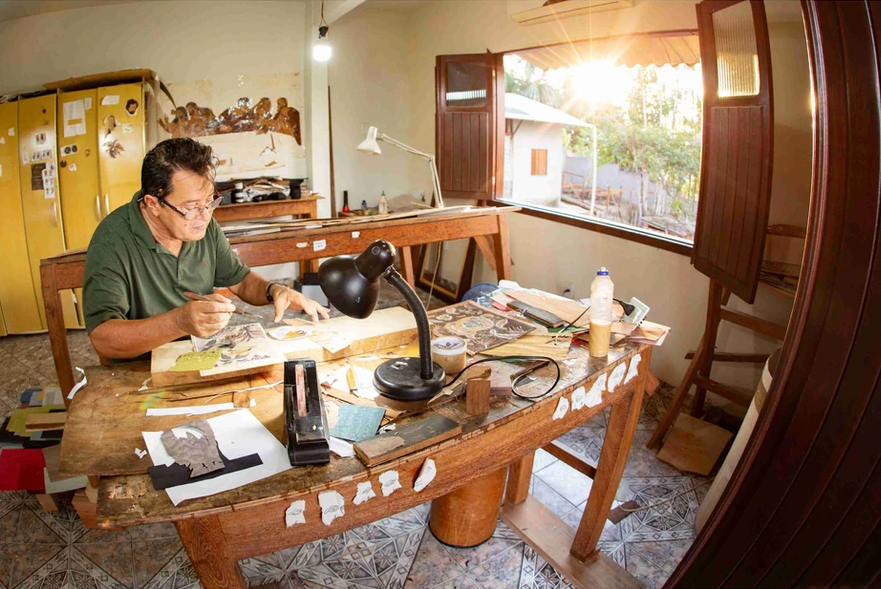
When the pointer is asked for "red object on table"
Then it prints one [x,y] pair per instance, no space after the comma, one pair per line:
[22,470]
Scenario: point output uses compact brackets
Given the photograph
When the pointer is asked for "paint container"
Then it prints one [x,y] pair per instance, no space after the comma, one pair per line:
[449,352]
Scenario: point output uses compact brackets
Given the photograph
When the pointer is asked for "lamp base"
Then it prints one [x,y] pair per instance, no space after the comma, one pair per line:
[401,379]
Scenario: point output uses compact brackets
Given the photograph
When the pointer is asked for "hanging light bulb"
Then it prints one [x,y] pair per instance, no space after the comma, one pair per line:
[322,50]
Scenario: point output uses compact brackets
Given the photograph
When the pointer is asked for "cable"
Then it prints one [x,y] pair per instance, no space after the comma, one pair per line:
[520,377]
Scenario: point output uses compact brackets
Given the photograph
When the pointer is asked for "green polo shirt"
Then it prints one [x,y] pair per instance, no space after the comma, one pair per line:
[129,275]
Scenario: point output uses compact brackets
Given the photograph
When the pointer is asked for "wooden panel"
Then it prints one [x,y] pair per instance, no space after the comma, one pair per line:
[735,191]
[78,173]
[802,506]
[120,169]
[539,162]
[21,309]
[42,216]
[465,135]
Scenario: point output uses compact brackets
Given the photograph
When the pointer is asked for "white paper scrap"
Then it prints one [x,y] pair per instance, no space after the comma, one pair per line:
[11,132]
[189,410]
[363,493]
[387,428]
[426,475]
[289,332]
[25,159]
[253,403]
[364,383]
[302,244]
[332,506]
[389,481]
[341,448]
[356,234]
[295,514]
[319,244]
[140,453]
[110,100]
[633,370]
[72,167]
[595,396]
[616,376]
[577,398]
[2,140]
[562,408]
[1,167]
[238,434]
[74,115]
[331,341]
[78,385]
[87,102]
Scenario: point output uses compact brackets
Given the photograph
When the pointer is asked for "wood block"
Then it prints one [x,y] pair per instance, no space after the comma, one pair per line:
[46,421]
[651,383]
[47,502]
[91,491]
[477,392]
[694,445]
[552,538]
[407,439]
[87,510]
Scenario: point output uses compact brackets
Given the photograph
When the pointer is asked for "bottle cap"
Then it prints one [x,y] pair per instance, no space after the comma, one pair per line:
[602,271]
[239,185]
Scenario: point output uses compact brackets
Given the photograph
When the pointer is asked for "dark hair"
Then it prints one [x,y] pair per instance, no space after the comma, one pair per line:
[172,155]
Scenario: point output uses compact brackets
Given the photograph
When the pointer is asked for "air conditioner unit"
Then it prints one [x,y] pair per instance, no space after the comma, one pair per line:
[535,12]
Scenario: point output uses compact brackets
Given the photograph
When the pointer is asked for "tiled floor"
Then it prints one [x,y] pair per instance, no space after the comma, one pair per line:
[43,550]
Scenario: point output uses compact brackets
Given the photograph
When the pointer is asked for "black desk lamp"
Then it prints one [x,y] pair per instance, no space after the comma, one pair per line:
[351,284]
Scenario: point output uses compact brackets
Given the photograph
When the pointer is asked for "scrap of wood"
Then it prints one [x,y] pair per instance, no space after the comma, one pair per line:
[47,502]
[477,391]
[693,445]
[407,439]
[565,309]
[549,345]
[46,421]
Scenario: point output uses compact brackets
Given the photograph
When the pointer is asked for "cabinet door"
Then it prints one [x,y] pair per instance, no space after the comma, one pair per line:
[39,193]
[17,295]
[121,142]
[81,204]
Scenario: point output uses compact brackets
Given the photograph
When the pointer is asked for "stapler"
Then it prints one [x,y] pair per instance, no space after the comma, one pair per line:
[305,419]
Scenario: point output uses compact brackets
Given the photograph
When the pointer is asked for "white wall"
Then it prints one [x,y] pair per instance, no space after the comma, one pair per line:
[542,190]
[369,86]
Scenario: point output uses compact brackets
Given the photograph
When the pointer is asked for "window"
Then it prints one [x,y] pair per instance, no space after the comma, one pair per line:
[539,162]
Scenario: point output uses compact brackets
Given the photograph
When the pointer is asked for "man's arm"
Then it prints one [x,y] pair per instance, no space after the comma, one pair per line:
[252,290]
[129,338]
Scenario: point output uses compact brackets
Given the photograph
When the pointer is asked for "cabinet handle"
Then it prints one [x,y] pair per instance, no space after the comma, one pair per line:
[55,212]
[98,206]
[107,203]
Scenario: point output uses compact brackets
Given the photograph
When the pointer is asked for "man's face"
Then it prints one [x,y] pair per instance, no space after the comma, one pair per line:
[188,191]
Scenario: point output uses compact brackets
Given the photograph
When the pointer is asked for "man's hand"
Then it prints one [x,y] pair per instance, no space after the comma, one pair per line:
[203,318]
[285,298]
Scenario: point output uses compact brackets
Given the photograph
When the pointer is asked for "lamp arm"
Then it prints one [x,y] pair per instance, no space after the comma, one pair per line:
[404,146]
[435,178]
[422,327]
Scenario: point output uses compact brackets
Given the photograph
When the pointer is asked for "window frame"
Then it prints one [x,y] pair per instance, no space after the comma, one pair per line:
[604,226]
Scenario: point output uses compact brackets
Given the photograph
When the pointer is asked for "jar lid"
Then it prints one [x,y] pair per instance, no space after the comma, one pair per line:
[448,345]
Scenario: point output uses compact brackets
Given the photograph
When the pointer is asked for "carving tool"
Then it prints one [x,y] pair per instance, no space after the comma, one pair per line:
[197,297]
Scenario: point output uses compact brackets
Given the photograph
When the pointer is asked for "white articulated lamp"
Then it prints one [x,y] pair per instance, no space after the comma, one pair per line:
[371,145]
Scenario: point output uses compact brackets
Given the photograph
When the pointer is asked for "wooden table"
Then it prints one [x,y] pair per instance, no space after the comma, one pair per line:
[298,245]
[303,208]
[103,429]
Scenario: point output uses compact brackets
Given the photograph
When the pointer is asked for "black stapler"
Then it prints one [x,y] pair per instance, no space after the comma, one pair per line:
[304,414]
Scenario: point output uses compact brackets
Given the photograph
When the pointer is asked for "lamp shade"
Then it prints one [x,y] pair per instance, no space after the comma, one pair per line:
[370,145]
[351,283]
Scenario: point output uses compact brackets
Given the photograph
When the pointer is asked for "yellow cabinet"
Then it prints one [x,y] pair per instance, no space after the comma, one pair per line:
[81,203]
[121,142]
[21,308]
[39,192]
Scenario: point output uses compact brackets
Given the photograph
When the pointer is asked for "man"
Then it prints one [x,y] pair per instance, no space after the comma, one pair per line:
[146,256]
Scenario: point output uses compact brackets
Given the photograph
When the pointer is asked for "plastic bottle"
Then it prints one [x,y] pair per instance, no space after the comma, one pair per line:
[383,204]
[346,201]
[601,292]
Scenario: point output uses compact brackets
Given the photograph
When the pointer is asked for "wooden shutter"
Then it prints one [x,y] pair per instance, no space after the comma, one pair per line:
[735,190]
[466,125]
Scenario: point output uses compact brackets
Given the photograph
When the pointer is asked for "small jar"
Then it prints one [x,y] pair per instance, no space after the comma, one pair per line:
[450,353]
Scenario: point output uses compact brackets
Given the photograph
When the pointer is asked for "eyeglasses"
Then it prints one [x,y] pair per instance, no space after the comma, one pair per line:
[194,212]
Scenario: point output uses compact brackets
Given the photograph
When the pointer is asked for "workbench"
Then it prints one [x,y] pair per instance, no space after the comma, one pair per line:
[106,418]
[303,207]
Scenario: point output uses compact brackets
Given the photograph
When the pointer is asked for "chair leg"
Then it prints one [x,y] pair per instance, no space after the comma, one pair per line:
[679,395]
[714,308]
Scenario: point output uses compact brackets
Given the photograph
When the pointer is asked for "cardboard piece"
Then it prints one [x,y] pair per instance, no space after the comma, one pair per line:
[694,445]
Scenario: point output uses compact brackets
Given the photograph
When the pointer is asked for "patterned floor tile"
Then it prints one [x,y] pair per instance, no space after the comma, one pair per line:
[665,555]
[462,582]
[502,570]
[472,558]
[150,557]
[535,573]
[586,442]
[643,461]
[177,573]
[113,558]
[542,459]
[643,569]
[261,570]
[433,565]
[671,519]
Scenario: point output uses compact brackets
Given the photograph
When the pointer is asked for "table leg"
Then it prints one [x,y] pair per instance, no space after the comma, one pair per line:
[616,447]
[502,246]
[209,552]
[519,477]
[467,516]
[407,265]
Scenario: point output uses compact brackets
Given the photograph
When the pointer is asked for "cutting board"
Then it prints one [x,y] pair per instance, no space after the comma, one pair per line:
[385,328]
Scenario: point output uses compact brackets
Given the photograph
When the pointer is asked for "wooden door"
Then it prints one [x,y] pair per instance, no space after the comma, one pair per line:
[120,119]
[735,185]
[39,192]
[466,119]
[17,295]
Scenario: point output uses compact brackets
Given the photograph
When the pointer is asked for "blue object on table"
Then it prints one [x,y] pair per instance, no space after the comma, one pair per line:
[357,423]
[479,293]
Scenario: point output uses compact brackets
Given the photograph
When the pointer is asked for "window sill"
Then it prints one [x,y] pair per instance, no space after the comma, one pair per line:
[670,244]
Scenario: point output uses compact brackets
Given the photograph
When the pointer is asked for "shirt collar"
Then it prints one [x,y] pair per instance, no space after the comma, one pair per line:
[139,226]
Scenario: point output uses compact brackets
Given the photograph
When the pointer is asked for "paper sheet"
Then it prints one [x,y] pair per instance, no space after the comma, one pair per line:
[562,408]
[577,398]
[238,434]
[233,336]
[633,370]
[239,359]
[595,396]
[363,493]
[74,114]
[289,332]
[389,481]
[426,475]
[78,385]
[341,448]
[110,100]
[332,506]
[364,383]
[196,361]
[331,341]
[295,514]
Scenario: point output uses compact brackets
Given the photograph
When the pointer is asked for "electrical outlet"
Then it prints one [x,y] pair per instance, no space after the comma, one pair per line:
[569,290]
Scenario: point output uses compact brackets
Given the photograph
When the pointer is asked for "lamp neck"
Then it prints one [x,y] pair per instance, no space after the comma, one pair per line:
[422,327]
